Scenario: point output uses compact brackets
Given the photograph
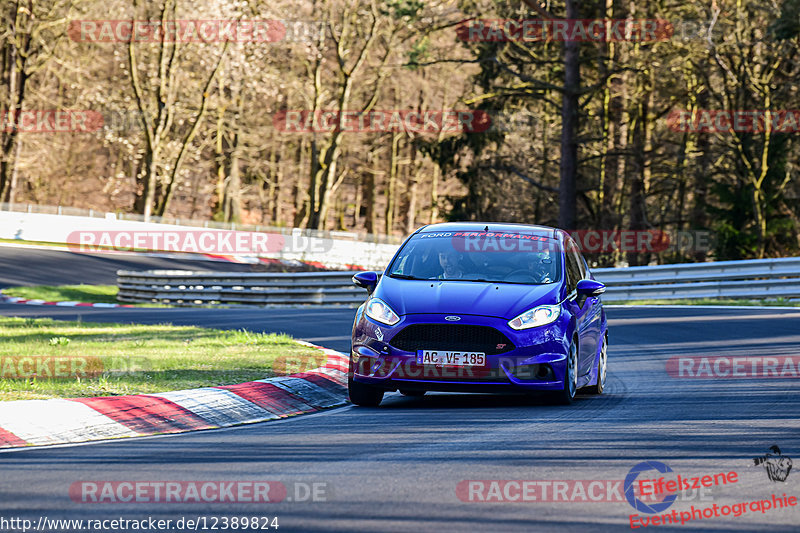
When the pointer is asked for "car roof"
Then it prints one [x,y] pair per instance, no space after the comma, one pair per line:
[495,227]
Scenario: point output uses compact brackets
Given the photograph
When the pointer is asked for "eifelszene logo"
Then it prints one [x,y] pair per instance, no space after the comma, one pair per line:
[630,484]
[776,464]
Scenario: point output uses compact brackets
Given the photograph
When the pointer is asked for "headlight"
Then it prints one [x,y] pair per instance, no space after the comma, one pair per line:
[538,316]
[378,310]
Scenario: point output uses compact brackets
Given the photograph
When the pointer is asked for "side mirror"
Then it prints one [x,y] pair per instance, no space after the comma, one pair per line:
[590,287]
[366,280]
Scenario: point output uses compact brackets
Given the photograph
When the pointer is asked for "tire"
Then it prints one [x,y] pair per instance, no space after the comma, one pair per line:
[364,395]
[412,393]
[566,395]
[602,370]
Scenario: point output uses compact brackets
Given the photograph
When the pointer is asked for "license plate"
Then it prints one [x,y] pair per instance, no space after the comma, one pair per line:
[437,357]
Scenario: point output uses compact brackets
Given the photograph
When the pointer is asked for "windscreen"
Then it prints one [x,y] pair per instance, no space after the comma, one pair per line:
[479,256]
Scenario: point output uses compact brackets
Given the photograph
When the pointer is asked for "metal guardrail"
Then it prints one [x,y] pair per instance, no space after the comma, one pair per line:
[181,287]
[757,279]
[687,272]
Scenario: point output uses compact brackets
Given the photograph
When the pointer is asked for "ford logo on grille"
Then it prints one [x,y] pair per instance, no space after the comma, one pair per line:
[452,318]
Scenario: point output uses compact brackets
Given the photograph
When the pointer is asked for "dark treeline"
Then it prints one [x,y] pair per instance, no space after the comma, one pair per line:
[662,131]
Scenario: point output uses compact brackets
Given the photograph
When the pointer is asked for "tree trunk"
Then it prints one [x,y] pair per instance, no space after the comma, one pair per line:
[14,178]
[640,170]
[391,186]
[219,160]
[414,171]
[698,217]
[302,201]
[15,77]
[233,206]
[357,203]
[435,194]
[610,113]
[273,189]
[568,174]
[151,173]
[369,202]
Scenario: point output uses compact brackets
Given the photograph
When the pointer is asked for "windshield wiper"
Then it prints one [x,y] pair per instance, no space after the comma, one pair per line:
[403,276]
[482,280]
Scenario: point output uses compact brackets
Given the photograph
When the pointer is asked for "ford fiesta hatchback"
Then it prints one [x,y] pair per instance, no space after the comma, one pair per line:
[471,307]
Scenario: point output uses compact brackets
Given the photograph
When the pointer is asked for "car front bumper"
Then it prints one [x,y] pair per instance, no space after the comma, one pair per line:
[537,360]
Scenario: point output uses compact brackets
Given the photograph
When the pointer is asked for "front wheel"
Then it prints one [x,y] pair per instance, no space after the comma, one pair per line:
[602,369]
[566,395]
[364,395]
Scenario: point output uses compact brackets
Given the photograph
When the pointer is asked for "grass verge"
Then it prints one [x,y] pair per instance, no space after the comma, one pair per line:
[37,243]
[106,294]
[74,359]
[67,293]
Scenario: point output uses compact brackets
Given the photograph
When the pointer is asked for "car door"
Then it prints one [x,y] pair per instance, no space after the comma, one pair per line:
[592,319]
[577,306]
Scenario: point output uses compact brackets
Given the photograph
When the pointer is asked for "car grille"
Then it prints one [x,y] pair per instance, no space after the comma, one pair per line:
[453,337]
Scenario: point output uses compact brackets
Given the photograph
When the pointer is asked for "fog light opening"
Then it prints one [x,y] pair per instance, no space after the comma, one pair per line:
[544,372]
[541,372]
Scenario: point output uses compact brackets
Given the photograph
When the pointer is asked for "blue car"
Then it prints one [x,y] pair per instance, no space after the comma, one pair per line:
[476,307]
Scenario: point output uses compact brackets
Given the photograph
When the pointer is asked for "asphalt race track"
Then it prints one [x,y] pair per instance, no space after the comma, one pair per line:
[20,266]
[397,467]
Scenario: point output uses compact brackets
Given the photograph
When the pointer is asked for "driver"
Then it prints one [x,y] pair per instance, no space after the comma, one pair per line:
[451,269]
[540,266]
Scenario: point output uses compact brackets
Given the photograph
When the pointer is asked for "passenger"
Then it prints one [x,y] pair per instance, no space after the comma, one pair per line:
[427,266]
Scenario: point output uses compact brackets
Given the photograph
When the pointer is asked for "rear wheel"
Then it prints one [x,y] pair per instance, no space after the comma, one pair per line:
[567,394]
[364,395]
[414,393]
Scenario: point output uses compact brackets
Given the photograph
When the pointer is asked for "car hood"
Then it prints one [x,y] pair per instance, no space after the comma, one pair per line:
[502,300]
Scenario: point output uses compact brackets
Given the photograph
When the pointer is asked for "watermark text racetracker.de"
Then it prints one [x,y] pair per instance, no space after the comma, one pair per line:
[383,120]
[561,490]
[734,121]
[726,367]
[195,31]
[98,492]
[68,367]
[564,30]
[205,241]
[587,241]
[594,241]
[50,121]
